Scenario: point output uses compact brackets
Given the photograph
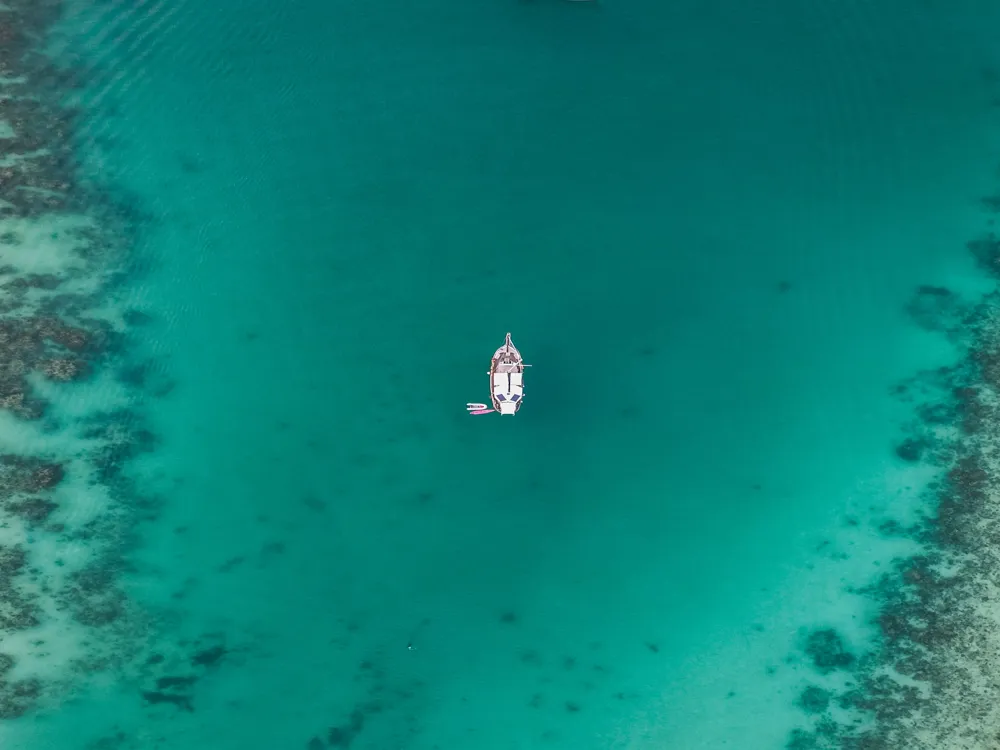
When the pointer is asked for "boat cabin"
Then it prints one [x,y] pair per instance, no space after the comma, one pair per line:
[508,389]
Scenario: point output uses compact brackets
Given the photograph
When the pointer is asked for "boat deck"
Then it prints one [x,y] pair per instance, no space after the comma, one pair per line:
[507,366]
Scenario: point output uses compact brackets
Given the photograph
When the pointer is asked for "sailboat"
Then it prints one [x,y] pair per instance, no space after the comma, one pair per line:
[506,381]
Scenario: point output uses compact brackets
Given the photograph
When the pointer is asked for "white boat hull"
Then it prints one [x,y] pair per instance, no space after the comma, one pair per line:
[507,379]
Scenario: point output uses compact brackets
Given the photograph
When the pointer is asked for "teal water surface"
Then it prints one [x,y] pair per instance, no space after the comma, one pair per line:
[702,224]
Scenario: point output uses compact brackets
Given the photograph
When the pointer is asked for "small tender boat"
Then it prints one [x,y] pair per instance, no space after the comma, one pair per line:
[507,378]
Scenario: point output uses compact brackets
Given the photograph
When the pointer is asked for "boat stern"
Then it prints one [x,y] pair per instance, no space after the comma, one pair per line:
[508,407]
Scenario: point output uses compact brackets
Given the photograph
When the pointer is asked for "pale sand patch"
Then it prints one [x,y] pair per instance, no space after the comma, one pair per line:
[743,690]
[78,400]
[15,159]
[48,245]
[112,312]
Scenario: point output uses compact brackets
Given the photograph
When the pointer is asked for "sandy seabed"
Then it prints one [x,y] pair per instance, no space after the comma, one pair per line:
[71,420]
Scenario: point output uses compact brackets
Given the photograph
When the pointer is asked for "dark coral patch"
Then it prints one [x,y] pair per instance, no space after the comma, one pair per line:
[18,697]
[814,700]
[19,610]
[94,596]
[182,702]
[209,657]
[826,649]
[33,510]
[911,449]
[172,683]
[26,474]
[343,736]
[935,308]
[64,369]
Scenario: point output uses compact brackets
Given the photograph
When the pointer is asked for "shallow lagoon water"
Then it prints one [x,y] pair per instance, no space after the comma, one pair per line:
[704,228]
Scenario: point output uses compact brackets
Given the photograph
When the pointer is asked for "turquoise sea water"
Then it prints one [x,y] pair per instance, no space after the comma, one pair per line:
[703,225]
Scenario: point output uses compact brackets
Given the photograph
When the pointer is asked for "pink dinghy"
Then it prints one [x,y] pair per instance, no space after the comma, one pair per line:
[506,382]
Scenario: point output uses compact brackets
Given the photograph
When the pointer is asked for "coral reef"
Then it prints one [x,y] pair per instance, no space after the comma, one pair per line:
[934,679]
[17,610]
[64,369]
[17,697]
[93,596]
[826,649]
[64,245]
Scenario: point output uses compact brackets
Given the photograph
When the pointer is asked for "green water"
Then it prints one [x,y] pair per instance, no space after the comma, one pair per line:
[702,225]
